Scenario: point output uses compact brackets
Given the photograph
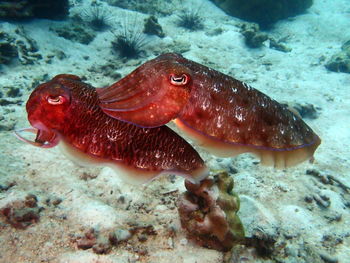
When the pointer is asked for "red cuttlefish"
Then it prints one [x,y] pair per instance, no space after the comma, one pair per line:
[65,110]
[224,115]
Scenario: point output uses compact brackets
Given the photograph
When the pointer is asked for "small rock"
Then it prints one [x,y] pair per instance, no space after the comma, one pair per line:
[328,258]
[334,217]
[22,213]
[102,246]
[7,185]
[277,45]
[7,53]
[322,201]
[262,242]
[142,237]
[252,35]
[55,201]
[306,111]
[308,199]
[31,201]
[13,92]
[152,27]
[75,32]
[88,240]
[340,62]
[119,235]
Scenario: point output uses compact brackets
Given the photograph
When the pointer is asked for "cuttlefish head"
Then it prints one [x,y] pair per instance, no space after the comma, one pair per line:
[47,109]
[150,96]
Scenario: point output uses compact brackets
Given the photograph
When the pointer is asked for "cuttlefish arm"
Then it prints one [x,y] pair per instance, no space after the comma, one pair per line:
[224,115]
[42,140]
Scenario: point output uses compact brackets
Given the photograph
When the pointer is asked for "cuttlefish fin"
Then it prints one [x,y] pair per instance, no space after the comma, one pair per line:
[124,102]
[129,174]
[278,158]
[124,96]
[139,107]
[150,116]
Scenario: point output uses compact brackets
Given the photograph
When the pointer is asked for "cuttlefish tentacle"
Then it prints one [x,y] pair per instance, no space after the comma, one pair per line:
[224,115]
[37,142]
[66,111]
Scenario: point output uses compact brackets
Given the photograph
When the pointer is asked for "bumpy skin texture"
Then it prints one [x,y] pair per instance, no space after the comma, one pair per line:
[211,104]
[208,213]
[78,120]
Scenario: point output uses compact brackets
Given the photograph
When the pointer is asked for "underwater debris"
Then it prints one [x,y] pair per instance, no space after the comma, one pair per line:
[102,242]
[7,185]
[53,200]
[13,92]
[305,110]
[87,240]
[262,242]
[119,236]
[97,17]
[211,220]
[5,102]
[75,32]
[152,27]
[263,12]
[24,9]
[340,62]
[329,179]
[18,45]
[129,42]
[277,45]
[253,37]
[8,50]
[93,239]
[191,20]
[22,213]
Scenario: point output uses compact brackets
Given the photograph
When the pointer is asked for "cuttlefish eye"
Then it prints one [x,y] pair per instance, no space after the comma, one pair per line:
[56,100]
[177,80]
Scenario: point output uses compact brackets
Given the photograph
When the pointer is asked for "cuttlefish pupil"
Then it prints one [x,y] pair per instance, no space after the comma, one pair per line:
[55,100]
[179,80]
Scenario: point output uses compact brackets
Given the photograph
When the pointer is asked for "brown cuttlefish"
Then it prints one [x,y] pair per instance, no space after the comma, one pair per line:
[224,115]
[66,111]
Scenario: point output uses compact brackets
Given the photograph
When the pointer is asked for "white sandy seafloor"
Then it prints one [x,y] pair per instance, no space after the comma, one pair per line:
[272,201]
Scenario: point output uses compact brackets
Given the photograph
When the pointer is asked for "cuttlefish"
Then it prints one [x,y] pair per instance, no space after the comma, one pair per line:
[222,114]
[66,111]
